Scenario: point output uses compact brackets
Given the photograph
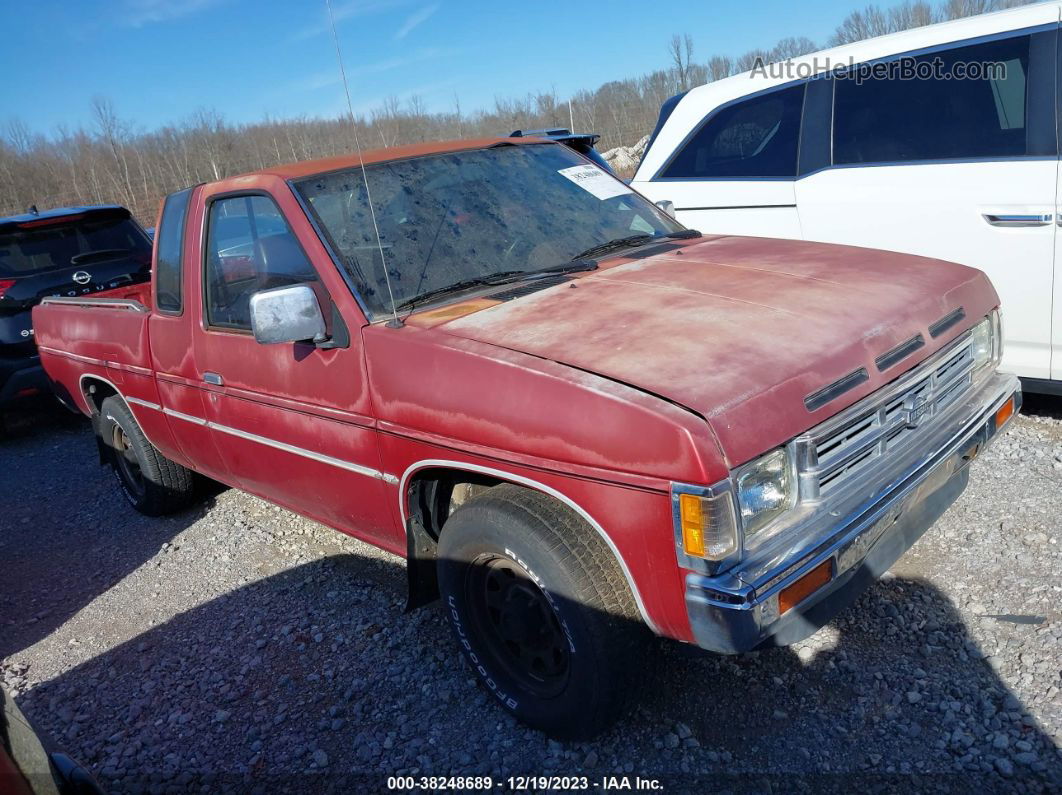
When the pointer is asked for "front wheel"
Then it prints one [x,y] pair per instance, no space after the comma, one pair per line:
[540,610]
[152,483]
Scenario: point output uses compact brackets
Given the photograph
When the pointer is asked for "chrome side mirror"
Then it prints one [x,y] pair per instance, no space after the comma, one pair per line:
[287,314]
[667,206]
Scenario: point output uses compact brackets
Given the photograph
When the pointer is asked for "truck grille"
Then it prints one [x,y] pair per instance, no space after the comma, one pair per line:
[884,423]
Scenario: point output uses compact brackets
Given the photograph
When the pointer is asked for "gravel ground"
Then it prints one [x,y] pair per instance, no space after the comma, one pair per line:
[240,647]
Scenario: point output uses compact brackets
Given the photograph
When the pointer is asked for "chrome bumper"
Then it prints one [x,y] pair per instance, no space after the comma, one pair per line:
[737,610]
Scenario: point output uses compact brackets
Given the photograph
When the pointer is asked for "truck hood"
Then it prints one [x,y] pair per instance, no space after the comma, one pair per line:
[741,330]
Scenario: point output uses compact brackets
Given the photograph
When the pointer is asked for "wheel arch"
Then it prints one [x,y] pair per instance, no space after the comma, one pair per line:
[422,529]
[95,389]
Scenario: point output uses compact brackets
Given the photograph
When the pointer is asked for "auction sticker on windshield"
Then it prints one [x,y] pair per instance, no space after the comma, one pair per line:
[593,180]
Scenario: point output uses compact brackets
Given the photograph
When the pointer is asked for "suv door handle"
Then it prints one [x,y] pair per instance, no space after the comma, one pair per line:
[213,378]
[1019,220]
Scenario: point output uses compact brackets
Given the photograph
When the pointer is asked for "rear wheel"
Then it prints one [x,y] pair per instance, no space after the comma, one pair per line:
[541,610]
[152,483]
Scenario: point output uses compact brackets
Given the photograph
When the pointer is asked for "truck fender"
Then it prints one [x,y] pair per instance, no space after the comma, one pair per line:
[421,545]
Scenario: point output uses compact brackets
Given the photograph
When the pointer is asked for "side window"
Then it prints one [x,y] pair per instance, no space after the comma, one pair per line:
[168,295]
[250,247]
[754,138]
[966,102]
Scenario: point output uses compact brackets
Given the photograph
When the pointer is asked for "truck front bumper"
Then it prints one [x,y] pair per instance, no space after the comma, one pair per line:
[739,610]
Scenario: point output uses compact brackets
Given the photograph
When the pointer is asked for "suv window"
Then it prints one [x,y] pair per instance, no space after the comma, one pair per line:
[32,247]
[756,137]
[168,297]
[941,116]
[250,247]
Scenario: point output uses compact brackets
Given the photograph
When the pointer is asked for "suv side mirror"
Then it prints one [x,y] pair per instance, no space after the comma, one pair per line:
[287,314]
[667,206]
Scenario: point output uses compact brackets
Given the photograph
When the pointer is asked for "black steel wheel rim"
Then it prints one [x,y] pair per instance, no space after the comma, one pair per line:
[518,625]
[126,461]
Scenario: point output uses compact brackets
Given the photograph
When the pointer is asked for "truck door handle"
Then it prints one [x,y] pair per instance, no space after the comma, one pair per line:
[1019,220]
[213,378]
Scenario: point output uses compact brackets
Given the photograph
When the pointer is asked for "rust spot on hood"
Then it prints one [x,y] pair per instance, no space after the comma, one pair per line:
[433,317]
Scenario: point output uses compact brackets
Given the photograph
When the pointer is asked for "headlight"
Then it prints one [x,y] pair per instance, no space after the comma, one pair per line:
[764,490]
[708,530]
[986,345]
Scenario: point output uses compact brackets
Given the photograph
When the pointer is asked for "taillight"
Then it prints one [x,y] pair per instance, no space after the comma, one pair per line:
[61,219]
[5,285]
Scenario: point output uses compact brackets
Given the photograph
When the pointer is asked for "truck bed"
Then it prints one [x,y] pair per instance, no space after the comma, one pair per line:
[105,335]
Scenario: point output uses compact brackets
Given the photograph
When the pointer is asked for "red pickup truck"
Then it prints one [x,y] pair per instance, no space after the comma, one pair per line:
[574,418]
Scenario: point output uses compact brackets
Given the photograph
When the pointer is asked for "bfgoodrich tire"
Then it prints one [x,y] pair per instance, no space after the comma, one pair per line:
[152,483]
[541,611]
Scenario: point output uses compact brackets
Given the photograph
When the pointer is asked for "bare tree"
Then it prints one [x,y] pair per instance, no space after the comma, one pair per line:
[910,15]
[720,66]
[112,162]
[750,59]
[858,25]
[114,132]
[958,9]
[681,50]
[18,136]
[791,47]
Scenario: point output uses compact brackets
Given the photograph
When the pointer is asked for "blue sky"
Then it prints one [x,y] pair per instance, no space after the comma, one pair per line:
[160,60]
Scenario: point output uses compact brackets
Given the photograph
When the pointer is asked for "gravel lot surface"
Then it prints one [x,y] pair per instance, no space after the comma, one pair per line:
[240,647]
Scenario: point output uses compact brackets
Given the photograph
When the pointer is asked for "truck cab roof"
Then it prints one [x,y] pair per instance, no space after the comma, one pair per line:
[308,168]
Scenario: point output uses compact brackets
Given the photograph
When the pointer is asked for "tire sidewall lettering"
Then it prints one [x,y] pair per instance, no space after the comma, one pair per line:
[485,677]
[549,596]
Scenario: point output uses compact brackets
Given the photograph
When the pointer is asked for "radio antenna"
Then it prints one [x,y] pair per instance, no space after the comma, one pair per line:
[394,322]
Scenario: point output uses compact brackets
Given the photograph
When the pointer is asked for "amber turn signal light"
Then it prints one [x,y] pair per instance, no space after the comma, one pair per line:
[692,524]
[1005,412]
[692,516]
[794,594]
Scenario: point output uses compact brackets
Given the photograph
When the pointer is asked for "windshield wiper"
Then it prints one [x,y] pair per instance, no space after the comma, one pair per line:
[502,277]
[633,241]
[575,265]
[456,287]
[102,253]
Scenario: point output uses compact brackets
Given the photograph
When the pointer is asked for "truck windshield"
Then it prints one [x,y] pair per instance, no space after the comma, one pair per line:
[460,216]
[37,246]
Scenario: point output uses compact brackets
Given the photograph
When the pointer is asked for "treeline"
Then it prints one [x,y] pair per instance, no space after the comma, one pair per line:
[113,161]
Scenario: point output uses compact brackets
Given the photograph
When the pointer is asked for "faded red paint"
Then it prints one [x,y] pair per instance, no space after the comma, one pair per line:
[606,389]
[741,330]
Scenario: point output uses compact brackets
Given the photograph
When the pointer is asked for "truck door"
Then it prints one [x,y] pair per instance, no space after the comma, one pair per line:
[184,435]
[293,421]
[958,168]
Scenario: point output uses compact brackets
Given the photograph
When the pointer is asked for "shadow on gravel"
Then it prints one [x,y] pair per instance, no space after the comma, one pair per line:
[312,680]
[66,533]
[36,418]
[1042,405]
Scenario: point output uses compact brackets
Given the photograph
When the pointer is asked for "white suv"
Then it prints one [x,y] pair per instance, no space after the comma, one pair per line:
[939,141]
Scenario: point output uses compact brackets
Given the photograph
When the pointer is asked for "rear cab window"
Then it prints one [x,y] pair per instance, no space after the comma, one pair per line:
[169,296]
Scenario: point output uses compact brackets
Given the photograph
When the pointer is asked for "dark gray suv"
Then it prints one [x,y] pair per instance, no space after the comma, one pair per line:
[71,251]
